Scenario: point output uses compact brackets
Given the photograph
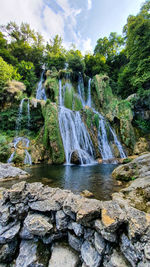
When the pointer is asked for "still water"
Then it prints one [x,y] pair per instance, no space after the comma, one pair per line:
[95,178]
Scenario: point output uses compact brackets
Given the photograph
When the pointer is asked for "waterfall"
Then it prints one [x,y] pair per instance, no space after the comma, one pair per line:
[89,93]
[40,93]
[103,142]
[118,144]
[81,89]
[75,136]
[18,121]
[27,159]
[25,141]
[28,114]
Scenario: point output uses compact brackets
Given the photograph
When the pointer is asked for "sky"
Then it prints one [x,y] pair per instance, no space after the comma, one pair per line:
[81,22]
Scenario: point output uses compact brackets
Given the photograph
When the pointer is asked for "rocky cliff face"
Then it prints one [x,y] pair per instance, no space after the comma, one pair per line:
[34,217]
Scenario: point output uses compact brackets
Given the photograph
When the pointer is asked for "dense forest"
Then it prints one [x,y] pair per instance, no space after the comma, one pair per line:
[125,58]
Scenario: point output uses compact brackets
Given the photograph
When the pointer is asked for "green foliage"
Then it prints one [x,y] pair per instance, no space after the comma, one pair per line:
[55,54]
[109,47]
[136,75]
[28,77]
[143,125]
[77,105]
[89,117]
[18,159]
[96,120]
[127,160]
[68,98]
[75,61]
[52,138]
[7,72]
[4,149]
[52,88]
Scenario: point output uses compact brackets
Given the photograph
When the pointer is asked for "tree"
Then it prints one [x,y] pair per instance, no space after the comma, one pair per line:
[109,47]
[55,54]
[28,77]
[7,72]
[137,34]
[75,61]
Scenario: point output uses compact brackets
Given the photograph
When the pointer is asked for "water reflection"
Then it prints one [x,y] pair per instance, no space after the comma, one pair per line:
[96,178]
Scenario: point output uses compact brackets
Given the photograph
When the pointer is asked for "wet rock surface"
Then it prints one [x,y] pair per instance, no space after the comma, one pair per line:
[109,234]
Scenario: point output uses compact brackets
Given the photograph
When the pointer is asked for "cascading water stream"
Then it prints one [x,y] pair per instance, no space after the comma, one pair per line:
[103,143]
[18,122]
[40,93]
[75,136]
[25,141]
[81,89]
[88,103]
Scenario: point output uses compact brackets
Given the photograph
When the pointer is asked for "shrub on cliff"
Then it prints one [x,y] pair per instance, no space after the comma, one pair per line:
[7,72]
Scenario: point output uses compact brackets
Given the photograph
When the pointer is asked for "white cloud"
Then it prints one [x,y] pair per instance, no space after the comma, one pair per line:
[53,23]
[18,11]
[87,46]
[44,19]
[89,4]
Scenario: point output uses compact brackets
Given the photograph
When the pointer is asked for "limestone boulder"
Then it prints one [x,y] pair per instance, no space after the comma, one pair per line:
[63,256]
[139,167]
[141,146]
[89,255]
[37,224]
[32,254]
[7,171]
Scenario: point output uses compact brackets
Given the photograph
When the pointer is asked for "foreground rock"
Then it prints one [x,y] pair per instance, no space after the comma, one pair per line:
[7,171]
[63,256]
[109,234]
[139,167]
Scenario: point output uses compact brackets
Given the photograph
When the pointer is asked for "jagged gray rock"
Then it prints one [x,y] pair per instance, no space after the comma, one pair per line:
[62,220]
[9,232]
[75,242]
[38,224]
[7,171]
[32,254]
[89,255]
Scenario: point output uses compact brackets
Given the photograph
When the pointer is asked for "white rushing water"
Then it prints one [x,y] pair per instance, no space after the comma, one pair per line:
[81,89]
[18,121]
[88,103]
[23,140]
[75,136]
[40,92]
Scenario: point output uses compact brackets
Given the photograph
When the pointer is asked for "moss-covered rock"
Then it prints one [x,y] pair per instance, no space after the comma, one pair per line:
[4,149]
[77,104]
[52,88]
[113,109]
[92,123]
[68,96]
[52,137]
[139,167]
[141,146]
